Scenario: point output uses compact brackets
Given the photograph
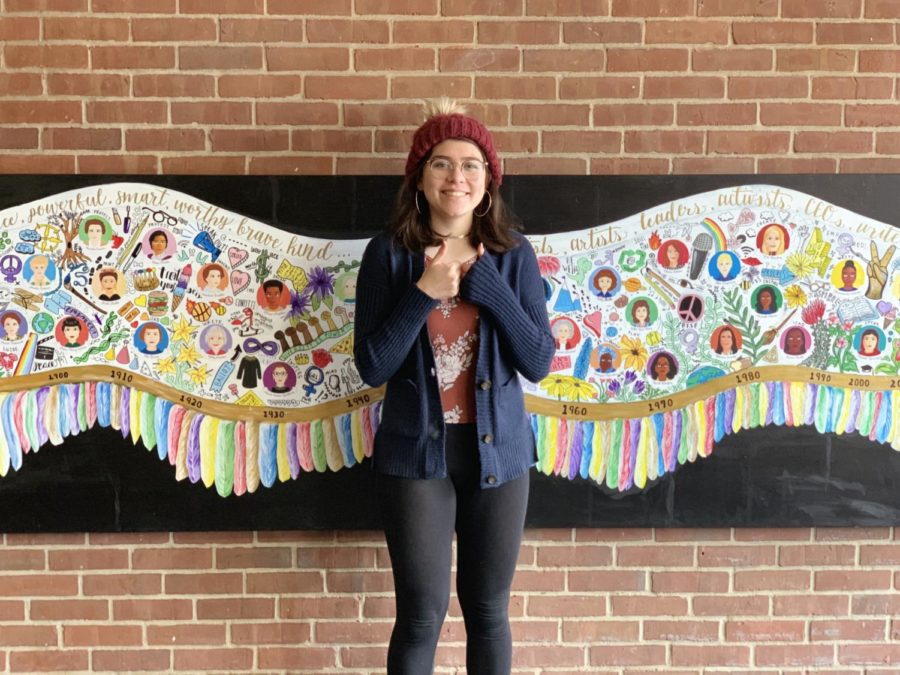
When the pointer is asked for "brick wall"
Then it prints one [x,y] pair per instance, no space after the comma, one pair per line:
[571,87]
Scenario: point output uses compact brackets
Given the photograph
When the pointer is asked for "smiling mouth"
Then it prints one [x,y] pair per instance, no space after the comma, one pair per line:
[455,193]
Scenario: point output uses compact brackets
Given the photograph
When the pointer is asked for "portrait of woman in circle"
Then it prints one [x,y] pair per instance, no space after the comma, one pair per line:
[159,244]
[847,276]
[151,339]
[724,266]
[605,282]
[13,325]
[279,378]
[107,285]
[605,359]
[95,232]
[565,333]
[642,312]
[673,254]
[662,367]
[215,340]
[870,341]
[766,300]
[795,341]
[39,271]
[773,239]
[726,341]
[71,332]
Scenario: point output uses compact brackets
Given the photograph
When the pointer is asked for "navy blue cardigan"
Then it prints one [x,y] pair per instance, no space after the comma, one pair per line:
[391,345]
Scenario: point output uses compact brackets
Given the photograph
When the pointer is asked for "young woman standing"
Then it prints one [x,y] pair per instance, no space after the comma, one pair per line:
[450,310]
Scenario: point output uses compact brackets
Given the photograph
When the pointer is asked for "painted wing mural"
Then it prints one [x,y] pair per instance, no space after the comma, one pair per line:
[225,345]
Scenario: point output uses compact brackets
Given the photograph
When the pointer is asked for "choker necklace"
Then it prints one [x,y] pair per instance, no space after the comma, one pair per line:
[454,236]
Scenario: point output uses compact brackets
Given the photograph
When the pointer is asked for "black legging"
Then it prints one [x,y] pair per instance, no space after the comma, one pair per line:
[419,519]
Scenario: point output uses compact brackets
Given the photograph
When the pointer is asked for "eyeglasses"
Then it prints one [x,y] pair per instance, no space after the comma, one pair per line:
[162,217]
[443,167]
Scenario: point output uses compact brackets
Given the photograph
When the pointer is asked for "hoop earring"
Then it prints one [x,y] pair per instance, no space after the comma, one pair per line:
[417,203]
[490,204]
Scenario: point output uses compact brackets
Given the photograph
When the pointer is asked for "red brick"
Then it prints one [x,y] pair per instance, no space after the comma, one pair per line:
[75,84]
[853,580]
[103,635]
[211,112]
[854,33]
[810,605]
[132,164]
[579,8]
[685,31]
[346,87]
[37,163]
[627,655]
[358,582]
[186,634]
[829,9]
[766,580]
[478,59]
[475,7]
[545,166]
[295,165]
[754,143]
[48,660]
[82,610]
[771,534]
[794,655]
[755,88]
[91,559]
[39,584]
[600,631]
[131,660]
[296,114]
[550,115]
[14,610]
[706,114]
[95,29]
[547,656]
[565,605]
[603,32]
[284,582]
[772,32]
[136,112]
[841,631]
[21,84]
[886,143]
[690,165]
[852,534]
[273,633]
[518,32]
[710,655]
[398,7]
[815,59]
[800,114]
[854,88]
[882,9]
[731,59]
[203,165]
[222,7]
[877,654]
[218,659]
[579,142]
[259,86]
[307,58]
[506,87]
[876,604]
[876,165]
[671,142]
[678,631]
[319,608]
[252,141]
[684,87]
[730,606]
[534,631]
[134,6]
[655,556]
[693,535]
[153,610]
[291,658]
[790,165]
[581,555]
[689,582]
[204,584]
[645,60]
[765,631]
[169,139]
[29,636]
[817,554]
[174,29]
[606,580]
[430,32]
[353,632]
[236,608]
[220,58]
[348,31]
[431,87]
[329,7]
[261,30]
[46,5]
[175,86]
[881,61]
[599,87]
[738,8]
[132,57]
[828,142]
[636,605]
[21,559]
[648,8]
[633,114]
[45,56]
[400,59]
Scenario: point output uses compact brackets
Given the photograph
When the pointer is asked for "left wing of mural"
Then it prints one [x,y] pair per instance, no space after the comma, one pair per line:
[220,342]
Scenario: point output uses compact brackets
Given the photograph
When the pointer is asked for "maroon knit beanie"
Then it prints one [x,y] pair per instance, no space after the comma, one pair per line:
[439,128]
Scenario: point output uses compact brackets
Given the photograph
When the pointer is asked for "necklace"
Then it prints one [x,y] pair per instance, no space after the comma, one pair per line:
[454,236]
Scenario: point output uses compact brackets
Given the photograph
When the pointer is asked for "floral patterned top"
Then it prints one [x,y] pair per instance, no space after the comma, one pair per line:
[453,330]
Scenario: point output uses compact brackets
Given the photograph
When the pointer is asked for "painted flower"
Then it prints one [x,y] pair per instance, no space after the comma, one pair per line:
[567,387]
[182,330]
[299,303]
[795,296]
[188,354]
[614,387]
[634,353]
[833,320]
[166,366]
[630,376]
[801,265]
[841,343]
[555,385]
[631,259]
[639,387]
[321,282]
[548,265]
[813,312]
[199,374]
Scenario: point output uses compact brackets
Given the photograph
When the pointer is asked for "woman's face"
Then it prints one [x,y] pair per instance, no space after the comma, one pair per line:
[641,313]
[108,283]
[606,361]
[38,266]
[563,331]
[454,195]
[772,240]
[765,299]
[95,231]
[672,255]
[794,341]
[848,276]
[726,340]
[11,326]
[604,283]
[215,339]
[279,374]
[214,278]
[661,368]
[158,243]
[724,264]
[869,343]
[151,338]
[71,333]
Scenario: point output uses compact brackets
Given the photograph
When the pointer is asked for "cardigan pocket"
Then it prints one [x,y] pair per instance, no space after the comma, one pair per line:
[400,413]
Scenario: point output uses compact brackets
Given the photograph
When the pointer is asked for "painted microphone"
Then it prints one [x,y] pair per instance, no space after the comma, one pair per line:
[181,287]
[701,247]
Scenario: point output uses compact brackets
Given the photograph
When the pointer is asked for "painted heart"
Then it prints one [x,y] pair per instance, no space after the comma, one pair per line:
[236,256]
[117,241]
[593,321]
[239,281]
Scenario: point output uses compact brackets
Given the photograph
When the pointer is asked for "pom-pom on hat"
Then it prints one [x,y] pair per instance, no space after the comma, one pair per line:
[446,119]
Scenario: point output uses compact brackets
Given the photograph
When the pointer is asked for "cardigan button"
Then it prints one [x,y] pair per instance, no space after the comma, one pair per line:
[485,384]
[487,438]
[434,433]
[491,480]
